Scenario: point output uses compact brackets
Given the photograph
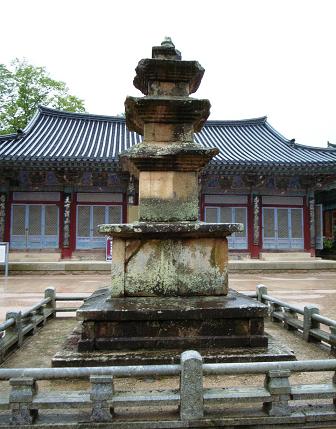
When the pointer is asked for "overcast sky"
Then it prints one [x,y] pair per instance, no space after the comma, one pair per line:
[272,57]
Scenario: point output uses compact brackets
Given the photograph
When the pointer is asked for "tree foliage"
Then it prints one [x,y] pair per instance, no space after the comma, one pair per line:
[23,87]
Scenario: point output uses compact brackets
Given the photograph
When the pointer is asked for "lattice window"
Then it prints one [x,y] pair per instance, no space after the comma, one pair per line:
[297,226]
[225,214]
[83,220]
[114,214]
[97,219]
[269,225]
[19,220]
[35,215]
[51,220]
[283,227]
[211,214]
[240,217]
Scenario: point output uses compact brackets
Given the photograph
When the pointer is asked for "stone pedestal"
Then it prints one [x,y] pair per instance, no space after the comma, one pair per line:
[171,323]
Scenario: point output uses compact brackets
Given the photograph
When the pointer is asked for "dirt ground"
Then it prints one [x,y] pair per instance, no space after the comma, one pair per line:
[18,292]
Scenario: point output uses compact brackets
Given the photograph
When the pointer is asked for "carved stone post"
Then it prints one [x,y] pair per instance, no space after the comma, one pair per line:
[101,393]
[277,383]
[50,293]
[191,386]
[20,400]
[309,323]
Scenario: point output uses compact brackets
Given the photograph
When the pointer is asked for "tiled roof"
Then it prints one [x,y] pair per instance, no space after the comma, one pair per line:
[77,139]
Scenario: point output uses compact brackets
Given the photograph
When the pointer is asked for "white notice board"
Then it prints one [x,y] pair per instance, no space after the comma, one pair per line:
[4,256]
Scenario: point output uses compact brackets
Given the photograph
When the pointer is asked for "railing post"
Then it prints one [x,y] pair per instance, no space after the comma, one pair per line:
[16,329]
[261,290]
[2,346]
[309,323]
[33,321]
[101,393]
[277,383]
[290,314]
[20,400]
[191,386]
[332,340]
[51,293]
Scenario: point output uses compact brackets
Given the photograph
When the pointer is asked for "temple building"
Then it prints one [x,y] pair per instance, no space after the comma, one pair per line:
[61,177]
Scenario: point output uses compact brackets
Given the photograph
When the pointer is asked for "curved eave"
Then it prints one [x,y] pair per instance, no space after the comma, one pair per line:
[109,165]
[290,169]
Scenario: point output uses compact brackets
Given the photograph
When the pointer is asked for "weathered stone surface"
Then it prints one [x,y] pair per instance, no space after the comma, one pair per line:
[170,323]
[191,386]
[165,110]
[169,267]
[70,356]
[152,70]
[161,230]
[184,267]
[168,196]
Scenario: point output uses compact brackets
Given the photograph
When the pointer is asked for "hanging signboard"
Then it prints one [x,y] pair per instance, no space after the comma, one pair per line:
[4,256]
[109,242]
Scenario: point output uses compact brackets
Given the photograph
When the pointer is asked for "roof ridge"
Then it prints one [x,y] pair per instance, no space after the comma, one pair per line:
[80,115]
[239,122]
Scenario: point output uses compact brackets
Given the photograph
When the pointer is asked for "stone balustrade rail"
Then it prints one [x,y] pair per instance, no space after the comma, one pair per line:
[307,320]
[275,403]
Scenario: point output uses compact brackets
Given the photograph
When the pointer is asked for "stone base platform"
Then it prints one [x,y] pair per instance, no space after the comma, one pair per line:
[133,331]
[70,357]
[158,323]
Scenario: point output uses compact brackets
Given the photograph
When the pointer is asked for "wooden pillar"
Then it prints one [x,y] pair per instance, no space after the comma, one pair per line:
[8,206]
[68,229]
[202,208]
[306,223]
[3,215]
[255,225]
[124,208]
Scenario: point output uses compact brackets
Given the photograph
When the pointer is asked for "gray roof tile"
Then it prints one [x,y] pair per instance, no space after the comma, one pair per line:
[55,136]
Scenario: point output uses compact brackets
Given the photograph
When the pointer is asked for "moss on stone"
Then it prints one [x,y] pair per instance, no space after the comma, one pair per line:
[169,268]
[159,210]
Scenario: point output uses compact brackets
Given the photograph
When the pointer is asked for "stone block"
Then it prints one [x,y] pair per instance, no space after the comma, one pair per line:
[168,196]
[175,268]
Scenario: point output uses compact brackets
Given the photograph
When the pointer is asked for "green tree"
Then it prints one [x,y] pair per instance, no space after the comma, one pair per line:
[23,87]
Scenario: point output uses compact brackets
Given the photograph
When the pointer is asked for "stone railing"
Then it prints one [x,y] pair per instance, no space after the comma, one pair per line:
[19,324]
[307,320]
[274,402]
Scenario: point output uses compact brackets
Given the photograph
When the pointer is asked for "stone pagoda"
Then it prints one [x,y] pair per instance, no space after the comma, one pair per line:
[169,286]
[168,252]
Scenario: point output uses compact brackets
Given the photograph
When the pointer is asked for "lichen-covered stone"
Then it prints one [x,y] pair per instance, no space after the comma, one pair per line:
[177,268]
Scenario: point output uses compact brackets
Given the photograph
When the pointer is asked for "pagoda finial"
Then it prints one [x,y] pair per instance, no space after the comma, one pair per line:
[167,41]
[166,51]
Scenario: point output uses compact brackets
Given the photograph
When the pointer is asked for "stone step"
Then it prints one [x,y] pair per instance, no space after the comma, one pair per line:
[31,256]
[286,256]
[89,255]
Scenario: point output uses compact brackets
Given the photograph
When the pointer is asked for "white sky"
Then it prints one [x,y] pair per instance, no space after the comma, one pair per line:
[261,57]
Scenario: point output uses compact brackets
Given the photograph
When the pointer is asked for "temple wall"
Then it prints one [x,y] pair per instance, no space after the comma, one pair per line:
[102,198]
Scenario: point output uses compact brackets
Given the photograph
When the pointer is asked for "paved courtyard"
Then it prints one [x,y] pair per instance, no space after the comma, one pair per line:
[22,291]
